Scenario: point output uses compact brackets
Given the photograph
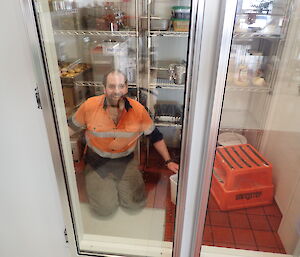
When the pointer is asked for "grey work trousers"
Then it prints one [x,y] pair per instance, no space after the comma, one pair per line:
[106,194]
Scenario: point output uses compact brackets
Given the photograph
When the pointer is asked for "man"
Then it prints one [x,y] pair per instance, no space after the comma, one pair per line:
[113,123]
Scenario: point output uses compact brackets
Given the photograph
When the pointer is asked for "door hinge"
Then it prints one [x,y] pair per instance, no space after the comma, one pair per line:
[66,236]
[37,97]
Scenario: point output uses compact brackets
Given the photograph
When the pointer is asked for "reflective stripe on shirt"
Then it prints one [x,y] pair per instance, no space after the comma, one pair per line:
[76,123]
[149,130]
[115,134]
[109,154]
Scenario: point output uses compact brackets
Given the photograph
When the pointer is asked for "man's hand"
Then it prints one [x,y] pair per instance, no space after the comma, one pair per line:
[173,166]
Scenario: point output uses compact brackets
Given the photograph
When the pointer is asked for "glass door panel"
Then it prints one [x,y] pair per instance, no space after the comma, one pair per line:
[254,193]
[118,91]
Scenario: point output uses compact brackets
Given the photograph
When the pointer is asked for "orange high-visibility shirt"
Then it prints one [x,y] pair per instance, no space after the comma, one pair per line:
[106,138]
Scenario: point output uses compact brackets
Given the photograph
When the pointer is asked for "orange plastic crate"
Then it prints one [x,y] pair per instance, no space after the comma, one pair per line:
[242,167]
[240,198]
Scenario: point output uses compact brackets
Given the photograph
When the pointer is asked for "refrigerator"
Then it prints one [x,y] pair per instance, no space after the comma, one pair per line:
[213,77]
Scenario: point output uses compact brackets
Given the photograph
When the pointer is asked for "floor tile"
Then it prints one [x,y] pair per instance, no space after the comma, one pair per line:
[169,231]
[259,222]
[256,210]
[222,235]
[161,192]
[208,243]
[246,247]
[278,241]
[240,211]
[265,238]
[207,234]
[207,219]
[219,219]
[272,210]
[212,204]
[274,222]
[269,249]
[243,237]
[225,244]
[239,220]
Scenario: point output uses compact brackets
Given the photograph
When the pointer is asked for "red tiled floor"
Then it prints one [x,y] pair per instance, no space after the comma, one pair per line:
[209,243]
[207,219]
[212,204]
[279,243]
[265,239]
[225,244]
[219,218]
[256,210]
[161,192]
[259,222]
[274,222]
[169,231]
[222,235]
[243,237]
[249,229]
[238,220]
[207,234]
[272,210]
[268,249]
[247,247]
[239,211]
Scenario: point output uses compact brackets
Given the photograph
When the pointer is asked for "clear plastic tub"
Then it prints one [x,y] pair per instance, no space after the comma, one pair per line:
[181,25]
[173,182]
[181,12]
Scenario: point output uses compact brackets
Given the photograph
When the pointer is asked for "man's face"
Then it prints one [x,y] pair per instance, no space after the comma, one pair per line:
[115,89]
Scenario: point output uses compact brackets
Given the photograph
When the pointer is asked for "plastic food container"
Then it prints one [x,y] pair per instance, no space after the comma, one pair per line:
[181,12]
[173,182]
[181,25]
[156,23]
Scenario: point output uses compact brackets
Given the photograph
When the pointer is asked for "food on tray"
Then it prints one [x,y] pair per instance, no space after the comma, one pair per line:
[71,71]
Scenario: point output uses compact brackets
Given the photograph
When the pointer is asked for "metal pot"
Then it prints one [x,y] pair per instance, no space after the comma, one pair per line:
[177,73]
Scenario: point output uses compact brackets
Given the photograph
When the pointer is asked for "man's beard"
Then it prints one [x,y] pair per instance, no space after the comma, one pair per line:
[112,103]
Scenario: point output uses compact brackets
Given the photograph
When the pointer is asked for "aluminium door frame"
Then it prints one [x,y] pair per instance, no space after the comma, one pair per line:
[200,124]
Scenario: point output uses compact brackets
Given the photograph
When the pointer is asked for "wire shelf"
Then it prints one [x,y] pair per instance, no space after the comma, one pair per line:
[167,124]
[165,83]
[256,89]
[97,84]
[95,33]
[168,34]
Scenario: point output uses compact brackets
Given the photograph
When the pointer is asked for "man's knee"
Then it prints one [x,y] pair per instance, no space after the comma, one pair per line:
[133,199]
[104,208]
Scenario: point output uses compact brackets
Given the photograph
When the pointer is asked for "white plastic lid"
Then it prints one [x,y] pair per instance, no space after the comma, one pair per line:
[231,138]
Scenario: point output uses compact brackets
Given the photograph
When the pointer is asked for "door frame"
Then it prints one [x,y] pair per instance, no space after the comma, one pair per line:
[206,81]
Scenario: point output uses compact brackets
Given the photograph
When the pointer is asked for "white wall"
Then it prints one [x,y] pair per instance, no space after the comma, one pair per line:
[30,217]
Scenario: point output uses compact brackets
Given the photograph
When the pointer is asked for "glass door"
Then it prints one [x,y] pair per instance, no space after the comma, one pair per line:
[117,89]
[255,188]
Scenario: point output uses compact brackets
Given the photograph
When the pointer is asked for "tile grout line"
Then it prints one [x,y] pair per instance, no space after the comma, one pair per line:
[246,214]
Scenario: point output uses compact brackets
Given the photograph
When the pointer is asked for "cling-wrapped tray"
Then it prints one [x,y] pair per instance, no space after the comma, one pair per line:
[75,71]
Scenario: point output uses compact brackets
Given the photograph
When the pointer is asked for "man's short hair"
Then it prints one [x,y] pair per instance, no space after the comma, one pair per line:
[111,72]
